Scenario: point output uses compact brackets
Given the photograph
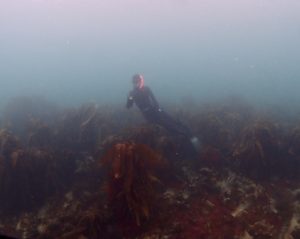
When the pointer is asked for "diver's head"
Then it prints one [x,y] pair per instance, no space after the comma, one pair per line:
[138,81]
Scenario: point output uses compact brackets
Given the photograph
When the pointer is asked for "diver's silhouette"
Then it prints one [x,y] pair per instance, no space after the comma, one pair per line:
[144,99]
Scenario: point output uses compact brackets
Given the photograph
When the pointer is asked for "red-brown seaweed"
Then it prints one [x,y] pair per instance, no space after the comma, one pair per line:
[132,179]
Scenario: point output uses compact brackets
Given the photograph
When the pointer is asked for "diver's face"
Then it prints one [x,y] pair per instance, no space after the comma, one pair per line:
[136,84]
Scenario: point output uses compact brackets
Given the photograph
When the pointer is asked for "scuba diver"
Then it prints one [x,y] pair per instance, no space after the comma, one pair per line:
[144,99]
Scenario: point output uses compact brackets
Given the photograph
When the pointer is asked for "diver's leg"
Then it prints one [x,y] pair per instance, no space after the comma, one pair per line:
[177,127]
[172,125]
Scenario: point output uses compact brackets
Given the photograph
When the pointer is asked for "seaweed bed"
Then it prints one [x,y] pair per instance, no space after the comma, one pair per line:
[101,172]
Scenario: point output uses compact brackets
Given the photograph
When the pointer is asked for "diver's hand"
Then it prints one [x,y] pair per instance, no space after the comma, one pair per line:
[129,101]
[129,97]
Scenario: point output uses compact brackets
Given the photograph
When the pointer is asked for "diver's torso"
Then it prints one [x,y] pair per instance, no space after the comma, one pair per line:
[142,99]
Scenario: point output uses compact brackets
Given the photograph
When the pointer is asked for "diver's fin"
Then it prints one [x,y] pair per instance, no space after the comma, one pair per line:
[196,144]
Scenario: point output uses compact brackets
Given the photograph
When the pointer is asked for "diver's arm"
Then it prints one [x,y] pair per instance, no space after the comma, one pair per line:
[130,101]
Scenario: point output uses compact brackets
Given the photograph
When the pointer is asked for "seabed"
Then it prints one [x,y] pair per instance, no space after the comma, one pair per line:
[102,172]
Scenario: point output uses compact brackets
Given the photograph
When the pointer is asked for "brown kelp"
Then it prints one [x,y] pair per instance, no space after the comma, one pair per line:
[50,185]
[258,149]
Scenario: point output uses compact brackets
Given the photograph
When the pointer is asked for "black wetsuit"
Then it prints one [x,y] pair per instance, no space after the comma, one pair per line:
[146,102]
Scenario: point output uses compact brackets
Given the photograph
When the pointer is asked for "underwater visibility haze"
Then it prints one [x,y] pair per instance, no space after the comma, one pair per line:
[76,51]
[75,162]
